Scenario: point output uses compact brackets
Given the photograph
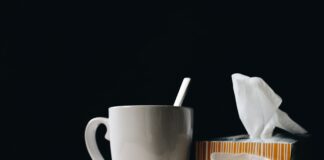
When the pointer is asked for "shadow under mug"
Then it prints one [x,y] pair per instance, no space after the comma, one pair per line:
[144,132]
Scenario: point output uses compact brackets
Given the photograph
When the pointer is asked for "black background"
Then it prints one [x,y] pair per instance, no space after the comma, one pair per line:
[65,62]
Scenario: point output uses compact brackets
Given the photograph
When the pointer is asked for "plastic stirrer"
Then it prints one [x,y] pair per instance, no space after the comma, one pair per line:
[182,92]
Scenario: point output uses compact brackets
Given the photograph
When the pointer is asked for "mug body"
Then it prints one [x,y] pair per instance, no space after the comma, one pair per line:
[150,132]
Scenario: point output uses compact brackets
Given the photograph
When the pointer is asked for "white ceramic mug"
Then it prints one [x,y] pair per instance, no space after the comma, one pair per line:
[144,132]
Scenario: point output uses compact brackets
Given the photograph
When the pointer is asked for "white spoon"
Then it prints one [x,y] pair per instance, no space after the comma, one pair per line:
[182,92]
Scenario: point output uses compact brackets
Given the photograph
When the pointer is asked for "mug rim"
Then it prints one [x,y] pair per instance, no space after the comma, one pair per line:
[146,106]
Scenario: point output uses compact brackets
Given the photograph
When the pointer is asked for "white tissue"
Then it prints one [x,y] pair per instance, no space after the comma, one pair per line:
[258,108]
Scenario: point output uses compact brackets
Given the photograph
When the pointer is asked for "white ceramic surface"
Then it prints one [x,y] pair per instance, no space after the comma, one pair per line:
[144,132]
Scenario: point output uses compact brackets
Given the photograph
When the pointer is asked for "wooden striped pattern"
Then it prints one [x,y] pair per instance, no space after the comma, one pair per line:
[273,151]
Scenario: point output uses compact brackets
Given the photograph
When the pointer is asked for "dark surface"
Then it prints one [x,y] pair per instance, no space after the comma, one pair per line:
[65,62]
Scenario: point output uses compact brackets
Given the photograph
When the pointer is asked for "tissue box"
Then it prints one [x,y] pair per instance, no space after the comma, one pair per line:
[279,147]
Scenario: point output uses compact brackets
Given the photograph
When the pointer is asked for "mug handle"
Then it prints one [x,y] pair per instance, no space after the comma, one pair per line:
[90,136]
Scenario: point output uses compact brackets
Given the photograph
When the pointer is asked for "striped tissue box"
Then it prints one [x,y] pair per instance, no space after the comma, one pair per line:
[276,148]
